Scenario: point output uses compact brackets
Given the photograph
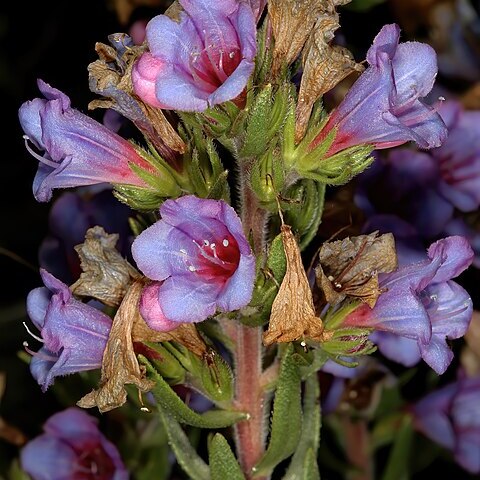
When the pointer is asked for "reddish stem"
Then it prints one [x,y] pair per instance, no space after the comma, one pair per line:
[250,397]
[357,439]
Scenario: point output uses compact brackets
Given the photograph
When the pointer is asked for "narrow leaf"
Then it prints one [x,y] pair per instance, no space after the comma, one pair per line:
[286,418]
[223,464]
[304,460]
[397,466]
[186,455]
[175,407]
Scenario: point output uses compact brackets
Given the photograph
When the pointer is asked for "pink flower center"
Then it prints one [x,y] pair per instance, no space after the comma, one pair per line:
[94,464]
[211,69]
[217,260]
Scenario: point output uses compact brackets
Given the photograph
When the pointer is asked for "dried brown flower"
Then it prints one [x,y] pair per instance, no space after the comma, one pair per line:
[293,314]
[324,66]
[120,365]
[292,22]
[350,267]
[106,274]
[110,77]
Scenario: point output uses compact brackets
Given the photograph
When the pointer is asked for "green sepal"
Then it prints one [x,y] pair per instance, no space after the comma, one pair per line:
[222,461]
[264,57]
[166,364]
[304,460]
[304,209]
[187,457]
[214,379]
[349,342]
[268,279]
[138,198]
[162,182]
[267,178]
[267,114]
[286,418]
[335,316]
[174,406]
[339,168]
[256,133]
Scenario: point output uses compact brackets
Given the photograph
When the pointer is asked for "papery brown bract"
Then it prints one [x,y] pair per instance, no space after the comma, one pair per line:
[293,314]
[324,66]
[350,267]
[106,274]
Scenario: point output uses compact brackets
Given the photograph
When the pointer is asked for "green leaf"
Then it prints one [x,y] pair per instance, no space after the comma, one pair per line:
[174,406]
[186,455]
[223,464]
[286,418]
[310,467]
[304,460]
[398,462]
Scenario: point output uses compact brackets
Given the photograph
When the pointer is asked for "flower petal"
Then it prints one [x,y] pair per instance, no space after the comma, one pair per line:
[151,311]
[184,300]
[455,255]
[238,289]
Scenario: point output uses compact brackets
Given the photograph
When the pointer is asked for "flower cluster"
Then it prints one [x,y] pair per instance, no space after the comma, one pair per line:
[200,284]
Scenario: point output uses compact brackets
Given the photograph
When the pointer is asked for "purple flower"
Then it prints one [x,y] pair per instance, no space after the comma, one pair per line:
[71,215]
[451,417]
[406,183]
[200,259]
[74,334]
[72,448]
[458,159]
[383,108]
[205,59]
[78,150]
[421,303]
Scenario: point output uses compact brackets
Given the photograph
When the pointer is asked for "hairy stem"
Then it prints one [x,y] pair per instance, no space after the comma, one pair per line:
[250,397]
[250,393]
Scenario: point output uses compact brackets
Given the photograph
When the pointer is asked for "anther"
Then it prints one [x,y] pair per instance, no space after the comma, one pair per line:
[225,243]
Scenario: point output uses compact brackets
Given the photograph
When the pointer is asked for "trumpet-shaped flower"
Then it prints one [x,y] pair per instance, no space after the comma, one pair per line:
[200,261]
[78,150]
[74,334]
[203,60]
[421,303]
[72,447]
[383,108]
[451,417]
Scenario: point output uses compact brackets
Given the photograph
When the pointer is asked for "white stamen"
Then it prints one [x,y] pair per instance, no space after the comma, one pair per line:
[192,268]
[41,159]
[225,243]
[206,243]
[36,337]
[212,246]
[303,344]
[442,99]
[231,54]
[183,251]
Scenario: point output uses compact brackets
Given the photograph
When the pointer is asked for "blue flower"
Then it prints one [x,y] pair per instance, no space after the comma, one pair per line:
[72,448]
[422,306]
[74,334]
[200,259]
